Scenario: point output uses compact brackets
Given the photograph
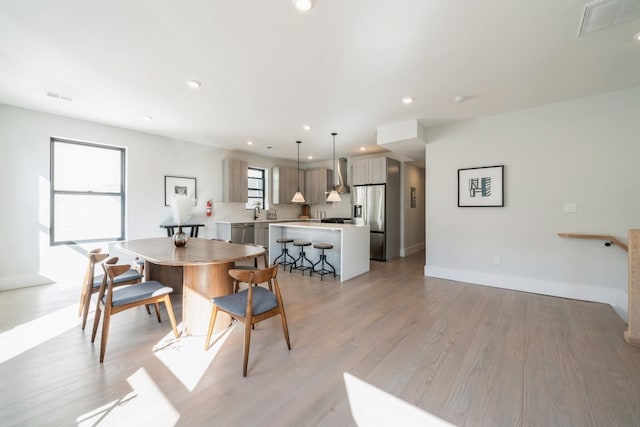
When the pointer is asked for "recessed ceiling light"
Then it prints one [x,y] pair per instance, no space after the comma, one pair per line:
[306,127]
[147,117]
[637,37]
[194,84]
[407,100]
[310,157]
[303,5]
[362,148]
[249,142]
[460,98]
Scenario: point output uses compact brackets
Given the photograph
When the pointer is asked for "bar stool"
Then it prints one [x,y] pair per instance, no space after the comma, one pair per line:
[302,257]
[285,253]
[323,260]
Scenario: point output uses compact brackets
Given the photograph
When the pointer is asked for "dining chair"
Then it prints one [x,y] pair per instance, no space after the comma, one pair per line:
[92,282]
[250,306]
[113,300]
[265,263]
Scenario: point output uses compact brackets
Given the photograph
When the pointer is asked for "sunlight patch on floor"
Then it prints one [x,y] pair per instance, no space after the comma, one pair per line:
[30,334]
[185,356]
[371,406]
[144,405]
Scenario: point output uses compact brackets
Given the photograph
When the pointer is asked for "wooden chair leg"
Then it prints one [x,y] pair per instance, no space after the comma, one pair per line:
[82,298]
[96,321]
[105,333]
[158,312]
[172,318]
[148,310]
[285,329]
[247,341]
[212,322]
[85,308]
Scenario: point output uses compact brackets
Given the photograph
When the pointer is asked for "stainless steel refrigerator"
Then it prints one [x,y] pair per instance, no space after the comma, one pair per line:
[369,209]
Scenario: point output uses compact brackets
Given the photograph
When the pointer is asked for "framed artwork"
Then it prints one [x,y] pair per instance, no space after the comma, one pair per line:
[179,185]
[481,187]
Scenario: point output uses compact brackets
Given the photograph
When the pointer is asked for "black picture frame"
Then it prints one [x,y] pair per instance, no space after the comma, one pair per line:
[176,184]
[481,187]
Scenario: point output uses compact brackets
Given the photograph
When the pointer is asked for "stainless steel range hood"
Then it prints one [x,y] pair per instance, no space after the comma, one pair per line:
[341,176]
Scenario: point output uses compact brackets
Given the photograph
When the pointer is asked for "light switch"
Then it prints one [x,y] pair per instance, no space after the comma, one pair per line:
[570,208]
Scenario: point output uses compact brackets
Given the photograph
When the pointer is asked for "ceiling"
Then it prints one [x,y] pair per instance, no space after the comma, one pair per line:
[267,69]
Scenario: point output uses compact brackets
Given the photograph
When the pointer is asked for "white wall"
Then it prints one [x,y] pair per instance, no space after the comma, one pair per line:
[25,135]
[584,151]
[414,223]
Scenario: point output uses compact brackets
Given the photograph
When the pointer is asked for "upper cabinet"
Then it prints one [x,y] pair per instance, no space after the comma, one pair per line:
[317,183]
[370,171]
[236,180]
[284,183]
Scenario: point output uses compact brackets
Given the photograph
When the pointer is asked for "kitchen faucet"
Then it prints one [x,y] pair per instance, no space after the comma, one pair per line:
[256,211]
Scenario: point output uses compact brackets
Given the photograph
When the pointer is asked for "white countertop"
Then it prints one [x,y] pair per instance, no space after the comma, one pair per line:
[264,221]
[319,225]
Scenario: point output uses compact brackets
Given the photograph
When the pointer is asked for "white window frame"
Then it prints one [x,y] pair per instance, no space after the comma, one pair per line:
[60,191]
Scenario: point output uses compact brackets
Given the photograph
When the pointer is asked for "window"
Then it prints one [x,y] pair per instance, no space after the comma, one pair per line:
[257,188]
[87,192]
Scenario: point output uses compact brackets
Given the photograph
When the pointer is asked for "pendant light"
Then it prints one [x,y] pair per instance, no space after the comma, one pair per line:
[298,197]
[334,196]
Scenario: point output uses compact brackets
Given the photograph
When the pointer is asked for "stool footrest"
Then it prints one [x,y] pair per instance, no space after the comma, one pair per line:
[322,261]
[285,255]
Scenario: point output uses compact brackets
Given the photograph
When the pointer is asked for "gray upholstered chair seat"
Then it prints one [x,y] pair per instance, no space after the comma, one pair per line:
[124,295]
[124,277]
[263,301]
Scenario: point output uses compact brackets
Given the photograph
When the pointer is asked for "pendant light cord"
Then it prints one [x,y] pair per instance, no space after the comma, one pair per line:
[298,180]
[334,161]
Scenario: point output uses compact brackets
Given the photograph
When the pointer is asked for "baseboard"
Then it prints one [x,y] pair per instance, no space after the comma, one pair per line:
[614,297]
[412,249]
[23,281]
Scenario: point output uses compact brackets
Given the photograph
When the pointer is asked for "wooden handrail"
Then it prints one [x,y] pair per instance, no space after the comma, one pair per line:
[632,334]
[609,239]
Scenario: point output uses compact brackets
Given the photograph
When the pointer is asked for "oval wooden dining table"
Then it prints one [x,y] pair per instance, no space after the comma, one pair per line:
[199,271]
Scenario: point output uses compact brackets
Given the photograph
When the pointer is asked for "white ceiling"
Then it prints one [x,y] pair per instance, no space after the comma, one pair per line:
[267,68]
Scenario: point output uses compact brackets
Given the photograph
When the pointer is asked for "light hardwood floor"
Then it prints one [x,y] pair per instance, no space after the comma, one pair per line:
[471,355]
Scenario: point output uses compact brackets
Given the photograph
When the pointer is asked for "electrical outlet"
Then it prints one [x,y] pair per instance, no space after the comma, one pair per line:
[570,208]
[497,260]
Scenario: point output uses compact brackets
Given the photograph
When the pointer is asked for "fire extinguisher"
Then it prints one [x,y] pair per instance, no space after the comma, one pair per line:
[208,207]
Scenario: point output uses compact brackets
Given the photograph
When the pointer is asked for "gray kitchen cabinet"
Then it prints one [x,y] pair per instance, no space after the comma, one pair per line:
[235,180]
[317,183]
[359,171]
[372,170]
[377,172]
[284,183]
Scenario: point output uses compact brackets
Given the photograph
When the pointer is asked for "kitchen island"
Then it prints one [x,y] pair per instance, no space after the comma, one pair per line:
[350,253]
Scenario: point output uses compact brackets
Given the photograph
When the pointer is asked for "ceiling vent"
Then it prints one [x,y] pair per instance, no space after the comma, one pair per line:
[602,14]
[58,96]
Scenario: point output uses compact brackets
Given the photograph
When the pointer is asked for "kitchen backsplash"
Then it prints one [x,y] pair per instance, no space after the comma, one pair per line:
[237,212]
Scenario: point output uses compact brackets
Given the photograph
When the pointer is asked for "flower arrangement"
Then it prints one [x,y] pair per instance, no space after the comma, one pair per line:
[181,208]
